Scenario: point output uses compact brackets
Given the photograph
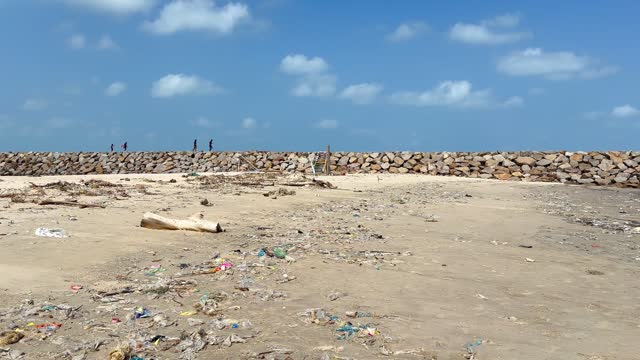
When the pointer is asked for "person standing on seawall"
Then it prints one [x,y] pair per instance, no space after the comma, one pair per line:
[111,147]
[210,145]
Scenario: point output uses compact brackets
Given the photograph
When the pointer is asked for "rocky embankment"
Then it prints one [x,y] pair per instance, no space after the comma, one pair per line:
[601,168]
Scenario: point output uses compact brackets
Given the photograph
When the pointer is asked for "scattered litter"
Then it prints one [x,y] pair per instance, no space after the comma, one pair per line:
[335,295]
[529,260]
[280,192]
[140,313]
[526,246]
[76,287]
[121,352]
[54,233]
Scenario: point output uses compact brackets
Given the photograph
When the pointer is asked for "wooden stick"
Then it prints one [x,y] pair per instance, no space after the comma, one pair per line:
[194,223]
[70,203]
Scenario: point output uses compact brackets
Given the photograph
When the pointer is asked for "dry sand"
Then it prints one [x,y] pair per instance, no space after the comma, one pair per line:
[450,279]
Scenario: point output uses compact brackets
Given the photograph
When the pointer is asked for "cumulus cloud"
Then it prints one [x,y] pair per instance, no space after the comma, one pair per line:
[624,111]
[181,84]
[106,43]
[361,93]
[319,85]
[489,32]
[407,31]
[77,41]
[559,65]
[115,7]
[514,101]
[249,123]
[198,15]
[447,93]
[34,104]
[115,89]
[299,64]
[313,78]
[326,124]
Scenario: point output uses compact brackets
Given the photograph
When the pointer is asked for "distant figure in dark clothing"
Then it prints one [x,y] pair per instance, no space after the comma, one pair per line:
[211,145]
[111,147]
[195,145]
[124,146]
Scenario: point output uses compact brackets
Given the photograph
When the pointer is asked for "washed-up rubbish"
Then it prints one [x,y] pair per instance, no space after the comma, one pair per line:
[221,265]
[358,314]
[156,339]
[193,223]
[472,347]
[280,253]
[335,295]
[115,320]
[188,313]
[10,337]
[154,270]
[348,330]
[49,307]
[142,313]
[121,352]
[54,233]
[280,192]
[76,287]
[46,326]
[529,260]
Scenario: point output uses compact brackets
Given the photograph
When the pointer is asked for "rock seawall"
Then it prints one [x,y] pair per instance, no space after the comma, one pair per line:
[601,168]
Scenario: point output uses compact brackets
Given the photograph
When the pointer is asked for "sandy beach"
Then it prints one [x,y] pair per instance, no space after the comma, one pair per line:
[384,266]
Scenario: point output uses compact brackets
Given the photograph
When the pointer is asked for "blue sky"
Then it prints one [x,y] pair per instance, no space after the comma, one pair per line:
[78,75]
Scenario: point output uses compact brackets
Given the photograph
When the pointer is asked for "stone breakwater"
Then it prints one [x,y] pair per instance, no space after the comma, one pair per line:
[601,168]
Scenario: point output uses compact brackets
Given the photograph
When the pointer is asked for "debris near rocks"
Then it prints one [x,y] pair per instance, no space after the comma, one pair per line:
[205,202]
[280,192]
[194,223]
[616,226]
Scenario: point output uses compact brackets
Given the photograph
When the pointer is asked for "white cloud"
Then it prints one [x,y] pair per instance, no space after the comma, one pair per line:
[447,93]
[313,80]
[198,15]
[625,111]
[107,43]
[115,7]
[58,123]
[34,104]
[407,31]
[115,89]
[181,84]
[205,122]
[361,93]
[249,123]
[484,35]
[560,65]
[77,41]
[514,101]
[320,85]
[301,65]
[326,124]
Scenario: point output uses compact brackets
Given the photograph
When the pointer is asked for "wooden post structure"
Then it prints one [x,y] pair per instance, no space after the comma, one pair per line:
[327,160]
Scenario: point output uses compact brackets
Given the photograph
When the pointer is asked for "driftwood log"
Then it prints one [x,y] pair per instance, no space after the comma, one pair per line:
[70,203]
[193,223]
